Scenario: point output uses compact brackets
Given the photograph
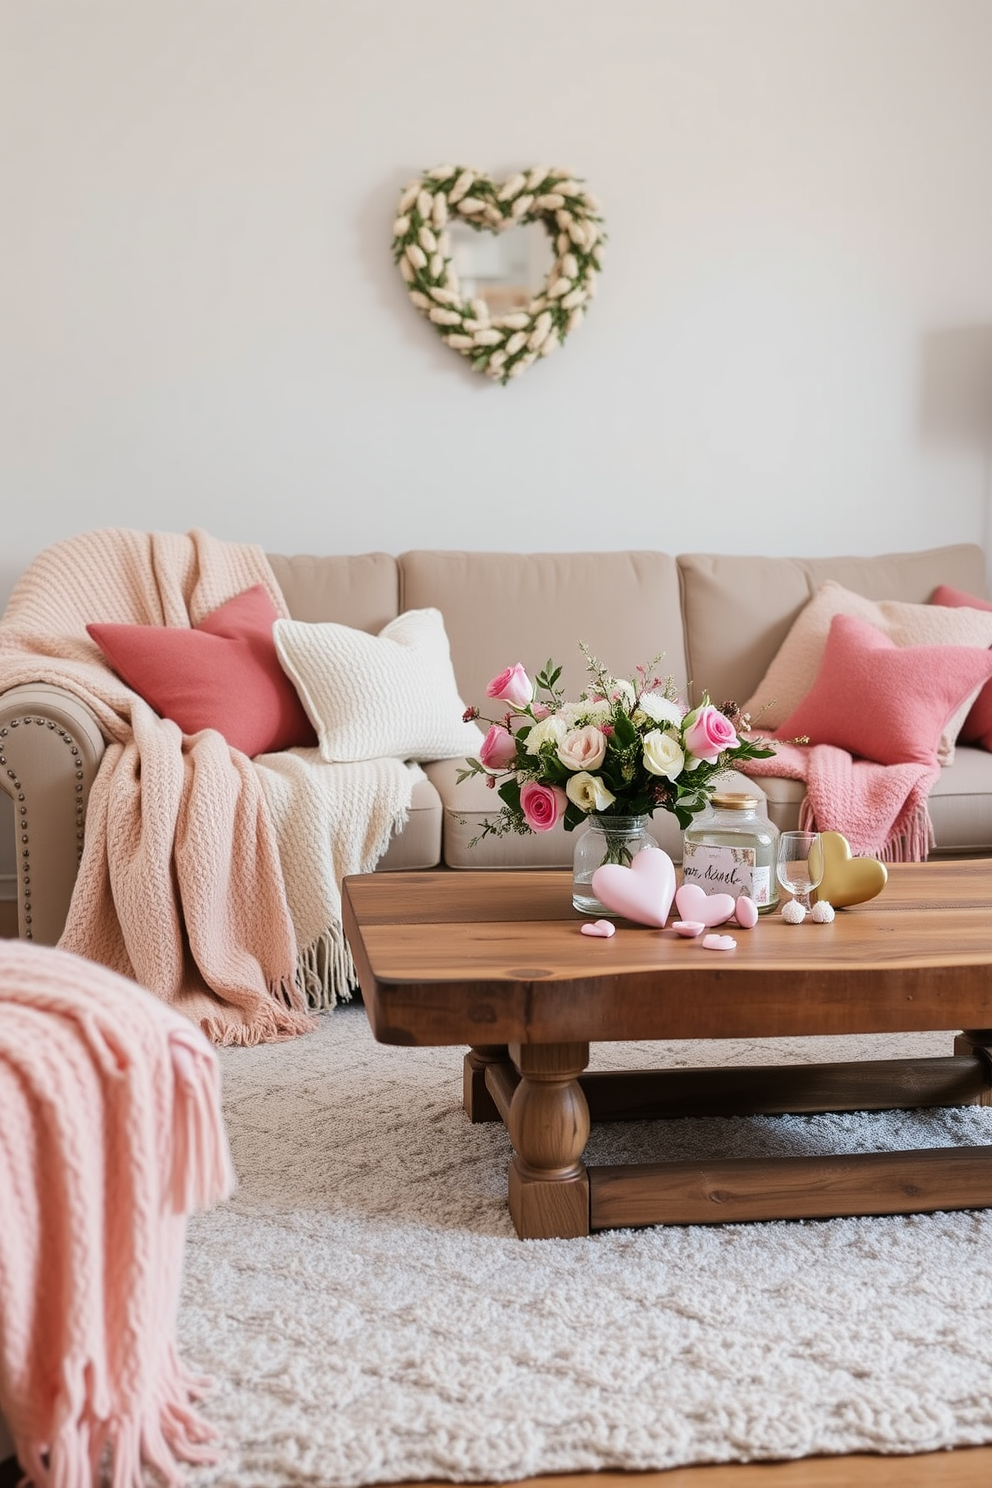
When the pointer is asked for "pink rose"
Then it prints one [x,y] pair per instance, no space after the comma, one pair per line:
[583,748]
[709,734]
[512,686]
[498,748]
[542,805]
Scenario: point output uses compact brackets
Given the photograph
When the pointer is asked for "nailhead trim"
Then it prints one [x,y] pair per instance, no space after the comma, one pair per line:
[22,810]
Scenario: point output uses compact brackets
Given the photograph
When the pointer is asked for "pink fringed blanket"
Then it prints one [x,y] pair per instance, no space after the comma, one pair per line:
[111,1133]
[180,885]
[880,809]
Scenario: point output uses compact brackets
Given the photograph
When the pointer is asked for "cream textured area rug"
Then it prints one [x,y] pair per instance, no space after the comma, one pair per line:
[370,1316]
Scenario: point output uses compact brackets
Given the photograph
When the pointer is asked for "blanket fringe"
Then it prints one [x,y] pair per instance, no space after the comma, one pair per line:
[273,1024]
[911,845]
[325,970]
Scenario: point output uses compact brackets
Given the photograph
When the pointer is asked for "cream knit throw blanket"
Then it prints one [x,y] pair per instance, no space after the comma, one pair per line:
[190,847]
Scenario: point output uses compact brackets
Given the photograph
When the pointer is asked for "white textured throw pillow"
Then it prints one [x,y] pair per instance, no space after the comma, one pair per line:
[375,697]
[794,669]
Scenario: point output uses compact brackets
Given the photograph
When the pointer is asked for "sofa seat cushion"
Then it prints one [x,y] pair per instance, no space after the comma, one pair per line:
[418,844]
[467,804]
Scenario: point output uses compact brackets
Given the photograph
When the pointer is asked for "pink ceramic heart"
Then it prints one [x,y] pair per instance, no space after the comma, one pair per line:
[604,928]
[719,943]
[643,892]
[695,904]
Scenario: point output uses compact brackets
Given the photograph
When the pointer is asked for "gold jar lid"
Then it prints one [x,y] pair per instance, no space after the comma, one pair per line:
[734,801]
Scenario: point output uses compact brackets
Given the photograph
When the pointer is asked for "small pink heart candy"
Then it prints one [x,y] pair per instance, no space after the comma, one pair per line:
[719,943]
[746,912]
[689,928]
[605,928]
[693,903]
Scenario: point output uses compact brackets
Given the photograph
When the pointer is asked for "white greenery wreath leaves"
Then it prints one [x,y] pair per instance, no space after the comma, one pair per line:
[501,346]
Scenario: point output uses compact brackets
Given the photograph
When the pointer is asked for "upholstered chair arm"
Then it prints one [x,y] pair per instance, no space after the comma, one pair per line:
[50,747]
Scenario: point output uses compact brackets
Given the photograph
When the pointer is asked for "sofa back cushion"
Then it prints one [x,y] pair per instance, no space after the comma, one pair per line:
[501,608]
[739,610]
[360,589]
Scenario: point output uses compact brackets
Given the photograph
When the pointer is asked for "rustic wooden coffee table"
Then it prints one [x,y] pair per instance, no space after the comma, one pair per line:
[495,960]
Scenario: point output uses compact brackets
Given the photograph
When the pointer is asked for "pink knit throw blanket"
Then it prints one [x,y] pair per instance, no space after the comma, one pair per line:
[111,1133]
[180,885]
[880,809]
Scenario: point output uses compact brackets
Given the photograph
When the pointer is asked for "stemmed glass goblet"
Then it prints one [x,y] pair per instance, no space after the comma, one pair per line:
[799,864]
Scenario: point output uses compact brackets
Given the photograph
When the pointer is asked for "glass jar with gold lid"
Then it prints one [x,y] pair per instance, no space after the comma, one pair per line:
[730,849]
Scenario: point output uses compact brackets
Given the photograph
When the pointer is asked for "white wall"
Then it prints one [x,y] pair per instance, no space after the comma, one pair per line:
[201,323]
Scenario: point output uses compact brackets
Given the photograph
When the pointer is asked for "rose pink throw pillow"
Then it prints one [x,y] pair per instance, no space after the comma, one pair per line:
[223,674]
[881,701]
[977,727]
[791,673]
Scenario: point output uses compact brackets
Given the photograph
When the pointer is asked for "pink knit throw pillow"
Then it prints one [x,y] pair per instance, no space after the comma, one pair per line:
[977,727]
[222,674]
[881,701]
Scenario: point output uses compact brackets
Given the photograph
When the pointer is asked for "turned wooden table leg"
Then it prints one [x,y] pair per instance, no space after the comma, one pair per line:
[476,1099]
[978,1041]
[549,1127]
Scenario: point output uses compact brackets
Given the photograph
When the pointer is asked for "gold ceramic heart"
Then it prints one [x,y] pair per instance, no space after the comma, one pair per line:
[501,346]
[848,880]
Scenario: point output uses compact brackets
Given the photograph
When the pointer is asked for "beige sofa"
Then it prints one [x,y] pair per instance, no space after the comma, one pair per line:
[718,619]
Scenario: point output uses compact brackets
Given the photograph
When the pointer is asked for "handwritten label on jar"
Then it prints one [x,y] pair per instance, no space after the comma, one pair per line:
[726,870]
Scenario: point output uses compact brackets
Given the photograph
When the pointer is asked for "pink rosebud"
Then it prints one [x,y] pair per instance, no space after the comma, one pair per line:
[469,715]
[542,805]
[498,748]
[709,734]
[512,686]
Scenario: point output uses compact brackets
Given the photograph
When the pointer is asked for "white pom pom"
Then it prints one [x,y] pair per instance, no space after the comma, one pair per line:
[793,912]
[822,912]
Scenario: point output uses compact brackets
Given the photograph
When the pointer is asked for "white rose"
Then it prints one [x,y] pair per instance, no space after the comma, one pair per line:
[551,729]
[515,342]
[662,756]
[588,792]
[424,203]
[583,749]
[416,255]
[521,205]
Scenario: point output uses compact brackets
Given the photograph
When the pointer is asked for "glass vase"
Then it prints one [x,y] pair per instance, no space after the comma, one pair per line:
[605,839]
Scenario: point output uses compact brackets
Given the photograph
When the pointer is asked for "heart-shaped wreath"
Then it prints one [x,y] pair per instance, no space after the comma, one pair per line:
[501,346]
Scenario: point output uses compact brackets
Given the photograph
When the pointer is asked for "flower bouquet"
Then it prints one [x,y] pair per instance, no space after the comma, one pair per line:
[625,748]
